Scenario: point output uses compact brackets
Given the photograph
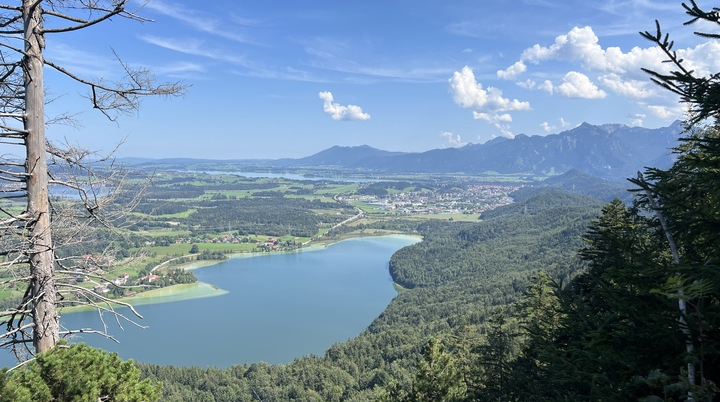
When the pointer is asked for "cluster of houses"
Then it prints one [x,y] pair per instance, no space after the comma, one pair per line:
[274,244]
[267,243]
[122,280]
[224,239]
[474,199]
[91,265]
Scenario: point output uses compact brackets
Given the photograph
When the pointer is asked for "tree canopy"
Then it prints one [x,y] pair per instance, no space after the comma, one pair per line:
[77,373]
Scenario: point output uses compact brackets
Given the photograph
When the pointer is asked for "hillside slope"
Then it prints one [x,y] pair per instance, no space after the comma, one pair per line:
[457,276]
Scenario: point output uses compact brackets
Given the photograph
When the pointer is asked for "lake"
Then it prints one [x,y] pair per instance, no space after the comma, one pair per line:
[292,176]
[278,307]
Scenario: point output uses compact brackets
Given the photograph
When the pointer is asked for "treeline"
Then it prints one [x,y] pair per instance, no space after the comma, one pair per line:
[200,203]
[381,188]
[538,303]
[161,207]
[579,182]
[175,276]
[640,323]
[384,188]
[283,216]
[174,192]
[459,274]
[532,235]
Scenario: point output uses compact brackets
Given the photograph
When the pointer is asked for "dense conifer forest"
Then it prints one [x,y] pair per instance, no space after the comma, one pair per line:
[555,297]
[459,277]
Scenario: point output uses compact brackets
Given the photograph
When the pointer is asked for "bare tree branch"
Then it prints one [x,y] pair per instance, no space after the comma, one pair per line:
[38,228]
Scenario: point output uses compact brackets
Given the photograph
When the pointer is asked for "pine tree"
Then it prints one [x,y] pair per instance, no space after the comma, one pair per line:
[77,373]
[438,378]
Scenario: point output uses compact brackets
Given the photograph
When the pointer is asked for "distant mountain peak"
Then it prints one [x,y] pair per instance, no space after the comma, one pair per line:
[614,151]
[350,147]
[610,128]
[342,156]
[609,151]
[499,139]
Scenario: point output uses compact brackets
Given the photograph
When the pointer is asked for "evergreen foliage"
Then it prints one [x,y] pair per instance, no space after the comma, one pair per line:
[462,273]
[632,313]
[77,373]
[438,378]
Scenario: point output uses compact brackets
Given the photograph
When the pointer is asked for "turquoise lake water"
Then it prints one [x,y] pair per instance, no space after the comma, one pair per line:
[278,307]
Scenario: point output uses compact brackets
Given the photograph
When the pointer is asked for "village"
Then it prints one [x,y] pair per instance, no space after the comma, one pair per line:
[470,200]
[120,285]
[475,199]
[262,243]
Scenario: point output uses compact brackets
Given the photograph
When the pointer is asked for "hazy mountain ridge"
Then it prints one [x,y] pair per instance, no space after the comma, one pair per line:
[612,151]
[341,156]
[577,182]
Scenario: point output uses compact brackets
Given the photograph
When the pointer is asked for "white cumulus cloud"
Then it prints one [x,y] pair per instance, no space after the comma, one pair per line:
[627,87]
[578,85]
[527,84]
[547,127]
[666,112]
[500,121]
[617,71]
[547,86]
[638,119]
[577,65]
[579,44]
[487,105]
[470,94]
[513,71]
[493,118]
[453,139]
[341,112]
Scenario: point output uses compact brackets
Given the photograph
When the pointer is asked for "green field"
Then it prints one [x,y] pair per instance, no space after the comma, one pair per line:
[182,209]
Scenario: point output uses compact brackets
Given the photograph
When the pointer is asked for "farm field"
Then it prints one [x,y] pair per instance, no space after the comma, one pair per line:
[185,218]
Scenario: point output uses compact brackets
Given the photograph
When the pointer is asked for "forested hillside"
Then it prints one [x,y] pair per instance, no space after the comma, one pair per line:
[630,314]
[547,296]
[553,298]
[457,277]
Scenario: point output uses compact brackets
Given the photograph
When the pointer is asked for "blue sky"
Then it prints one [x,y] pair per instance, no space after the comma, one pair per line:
[274,79]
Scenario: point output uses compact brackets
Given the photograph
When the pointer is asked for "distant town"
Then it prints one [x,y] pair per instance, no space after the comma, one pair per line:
[475,199]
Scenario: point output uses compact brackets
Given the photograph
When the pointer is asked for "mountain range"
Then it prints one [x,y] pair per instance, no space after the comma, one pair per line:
[611,151]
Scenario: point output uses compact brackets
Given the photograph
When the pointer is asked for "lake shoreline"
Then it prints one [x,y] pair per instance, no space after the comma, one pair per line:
[277,309]
[181,292]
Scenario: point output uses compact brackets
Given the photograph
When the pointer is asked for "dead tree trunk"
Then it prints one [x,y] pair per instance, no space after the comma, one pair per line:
[31,238]
[41,256]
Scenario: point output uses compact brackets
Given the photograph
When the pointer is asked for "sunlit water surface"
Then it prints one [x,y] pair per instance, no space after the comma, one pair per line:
[278,307]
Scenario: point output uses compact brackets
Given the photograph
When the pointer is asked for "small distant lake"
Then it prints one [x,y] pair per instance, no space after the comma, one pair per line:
[296,176]
[278,307]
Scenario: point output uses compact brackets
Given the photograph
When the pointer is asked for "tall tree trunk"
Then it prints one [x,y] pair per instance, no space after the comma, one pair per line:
[689,345]
[41,254]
